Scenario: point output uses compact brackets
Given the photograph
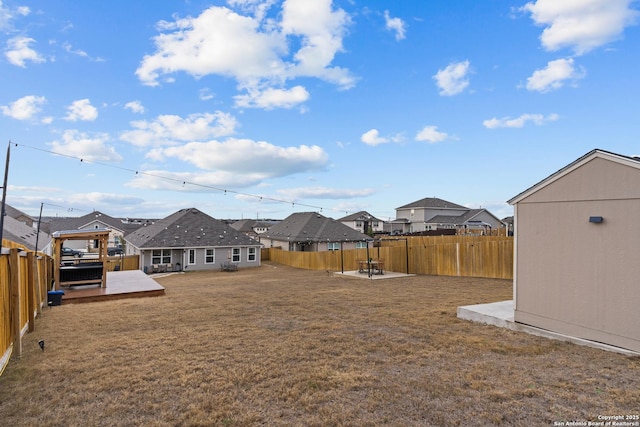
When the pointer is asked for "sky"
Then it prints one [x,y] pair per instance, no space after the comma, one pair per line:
[255,109]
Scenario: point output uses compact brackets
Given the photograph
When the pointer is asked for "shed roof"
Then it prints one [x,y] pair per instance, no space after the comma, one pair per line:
[596,153]
[313,227]
[188,228]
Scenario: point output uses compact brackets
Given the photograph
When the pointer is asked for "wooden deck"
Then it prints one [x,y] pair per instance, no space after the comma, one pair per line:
[120,285]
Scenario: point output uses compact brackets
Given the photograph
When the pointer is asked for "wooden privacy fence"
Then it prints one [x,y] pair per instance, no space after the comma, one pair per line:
[24,282]
[470,256]
[123,263]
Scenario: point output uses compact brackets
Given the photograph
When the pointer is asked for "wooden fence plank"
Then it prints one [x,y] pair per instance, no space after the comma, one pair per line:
[31,292]
[472,256]
[14,291]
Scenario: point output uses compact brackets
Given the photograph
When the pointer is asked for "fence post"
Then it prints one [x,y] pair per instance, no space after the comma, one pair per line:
[31,292]
[36,277]
[14,298]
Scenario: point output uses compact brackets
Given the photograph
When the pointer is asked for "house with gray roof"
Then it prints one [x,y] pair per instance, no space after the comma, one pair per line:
[363,222]
[23,234]
[191,240]
[313,232]
[253,228]
[19,215]
[432,213]
[95,220]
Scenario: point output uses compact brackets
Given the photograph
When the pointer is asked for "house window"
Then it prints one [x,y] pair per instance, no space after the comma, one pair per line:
[210,256]
[251,254]
[358,224]
[236,255]
[333,246]
[361,245]
[375,224]
[161,256]
[192,257]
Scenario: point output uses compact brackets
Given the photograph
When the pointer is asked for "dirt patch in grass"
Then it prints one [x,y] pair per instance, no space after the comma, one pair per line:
[280,346]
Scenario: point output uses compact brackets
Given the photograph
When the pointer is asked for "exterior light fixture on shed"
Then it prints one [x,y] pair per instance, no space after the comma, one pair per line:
[596,219]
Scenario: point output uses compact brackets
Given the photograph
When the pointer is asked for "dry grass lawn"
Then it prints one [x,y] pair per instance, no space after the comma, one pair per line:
[278,346]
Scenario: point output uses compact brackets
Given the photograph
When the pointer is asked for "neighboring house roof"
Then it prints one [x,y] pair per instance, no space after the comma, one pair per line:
[188,228]
[248,225]
[76,223]
[432,203]
[359,216]
[17,214]
[313,227]
[459,219]
[22,234]
[244,225]
[596,153]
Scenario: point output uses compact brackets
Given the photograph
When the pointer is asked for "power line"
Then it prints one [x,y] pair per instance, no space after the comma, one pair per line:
[179,181]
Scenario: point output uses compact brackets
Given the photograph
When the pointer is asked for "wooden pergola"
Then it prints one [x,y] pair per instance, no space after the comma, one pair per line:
[70,273]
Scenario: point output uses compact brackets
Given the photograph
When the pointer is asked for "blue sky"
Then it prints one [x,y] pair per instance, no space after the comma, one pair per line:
[262,108]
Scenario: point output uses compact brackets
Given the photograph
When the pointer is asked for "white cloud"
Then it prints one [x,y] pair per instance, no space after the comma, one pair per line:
[172,129]
[554,75]
[581,25]
[81,110]
[258,8]
[324,193]
[135,107]
[79,144]
[23,10]
[18,51]
[273,98]
[7,15]
[373,138]
[234,163]
[319,30]
[67,47]
[193,181]
[218,41]
[205,94]
[396,25]
[245,156]
[24,108]
[518,122]
[453,79]
[431,134]
[253,50]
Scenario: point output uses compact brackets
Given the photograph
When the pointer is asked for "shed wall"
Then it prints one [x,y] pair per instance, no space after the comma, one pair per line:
[576,277]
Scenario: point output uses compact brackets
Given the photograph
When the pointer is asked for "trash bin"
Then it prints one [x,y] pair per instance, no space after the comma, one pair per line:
[55,297]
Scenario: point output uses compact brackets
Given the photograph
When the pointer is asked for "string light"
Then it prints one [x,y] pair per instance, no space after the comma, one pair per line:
[166,178]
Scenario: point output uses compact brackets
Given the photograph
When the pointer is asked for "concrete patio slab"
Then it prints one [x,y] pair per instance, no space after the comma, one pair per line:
[501,314]
[386,275]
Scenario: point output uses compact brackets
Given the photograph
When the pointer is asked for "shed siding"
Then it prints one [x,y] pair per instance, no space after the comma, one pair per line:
[576,277]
